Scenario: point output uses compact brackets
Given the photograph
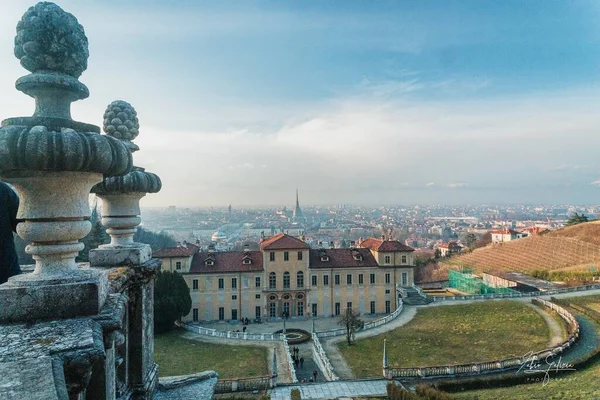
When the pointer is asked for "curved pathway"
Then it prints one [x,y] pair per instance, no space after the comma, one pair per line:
[338,362]
[557,332]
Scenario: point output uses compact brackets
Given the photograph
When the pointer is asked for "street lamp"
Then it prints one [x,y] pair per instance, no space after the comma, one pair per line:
[284,315]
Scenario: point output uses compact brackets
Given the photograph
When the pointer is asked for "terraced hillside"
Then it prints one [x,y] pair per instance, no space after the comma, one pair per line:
[573,248]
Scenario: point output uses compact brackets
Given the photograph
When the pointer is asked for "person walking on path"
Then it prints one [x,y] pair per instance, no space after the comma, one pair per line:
[9,204]
[301,362]
[315,373]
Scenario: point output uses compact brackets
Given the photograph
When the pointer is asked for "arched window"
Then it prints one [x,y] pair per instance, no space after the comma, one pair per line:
[286,280]
[300,279]
[272,281]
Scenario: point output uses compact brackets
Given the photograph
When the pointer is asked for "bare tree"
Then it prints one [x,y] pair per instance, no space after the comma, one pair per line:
[351,321]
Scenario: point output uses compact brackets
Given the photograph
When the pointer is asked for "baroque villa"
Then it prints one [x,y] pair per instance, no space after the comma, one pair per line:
[287,277]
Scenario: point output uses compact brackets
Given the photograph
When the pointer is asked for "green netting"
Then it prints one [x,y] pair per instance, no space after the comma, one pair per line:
[467,282]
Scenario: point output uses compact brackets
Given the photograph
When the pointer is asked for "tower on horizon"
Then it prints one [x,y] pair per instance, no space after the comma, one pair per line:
[297,210]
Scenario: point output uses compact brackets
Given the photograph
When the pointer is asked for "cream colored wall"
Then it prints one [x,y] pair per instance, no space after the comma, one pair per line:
[209,298]
[279,266]
[170,264]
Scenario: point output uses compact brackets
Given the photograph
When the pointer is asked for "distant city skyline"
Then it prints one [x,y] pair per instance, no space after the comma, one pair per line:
[392,102]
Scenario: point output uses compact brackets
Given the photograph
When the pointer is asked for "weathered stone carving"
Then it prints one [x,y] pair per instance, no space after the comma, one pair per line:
[51,160]
[51,39]
[120,121]
[121,195]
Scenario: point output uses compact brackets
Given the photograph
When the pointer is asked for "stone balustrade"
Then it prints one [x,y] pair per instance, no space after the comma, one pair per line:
[493,366]
[491,296]
[272,337]
[232,385]
[290,361]
[322,360]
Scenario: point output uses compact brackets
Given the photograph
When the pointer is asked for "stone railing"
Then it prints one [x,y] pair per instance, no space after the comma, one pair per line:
[496,365]
[288,355]
[322,360]
[260,383]
[230,334]
[514,295]
[367,326]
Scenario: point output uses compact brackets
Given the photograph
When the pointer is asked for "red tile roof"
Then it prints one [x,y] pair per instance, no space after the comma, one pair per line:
[282,241]
[384,245]
[341,258]
[187,250]
[173,252]
[227,261]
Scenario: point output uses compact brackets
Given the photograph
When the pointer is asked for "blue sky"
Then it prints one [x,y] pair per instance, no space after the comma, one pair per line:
[350,101]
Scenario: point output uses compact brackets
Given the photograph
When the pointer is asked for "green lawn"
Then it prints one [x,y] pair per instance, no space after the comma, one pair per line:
[580,385]
[178,356]
[452,335]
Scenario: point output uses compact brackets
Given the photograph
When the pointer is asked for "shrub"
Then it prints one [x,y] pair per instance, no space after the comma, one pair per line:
[172,300]
[295,394]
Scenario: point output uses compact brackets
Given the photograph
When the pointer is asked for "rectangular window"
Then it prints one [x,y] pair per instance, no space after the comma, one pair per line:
[326,280]
[372,279]
[388,260]
[372,307]
[299,256]
[337,308]
[403,259]
[300,280]
[337,279]
[286,280]
[361,279]
[257,296]
[286,256]
[234,314]
[195,284]
[272,280]
[404,279]
[348,279]
[221,283]
[272,310]
[195,315]
[313,280]
[300,308]
[272,256]
[388,306]
[314,309]
[221,313]
[257,312]
[387,291]
[178,265]
[234,283]
[257,281]
[234,297]
[349,305]
[387,278]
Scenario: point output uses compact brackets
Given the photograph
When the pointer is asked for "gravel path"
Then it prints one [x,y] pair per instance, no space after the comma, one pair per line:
[556,331]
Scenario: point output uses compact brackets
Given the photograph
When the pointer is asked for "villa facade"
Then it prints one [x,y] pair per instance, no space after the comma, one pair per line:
[287,277]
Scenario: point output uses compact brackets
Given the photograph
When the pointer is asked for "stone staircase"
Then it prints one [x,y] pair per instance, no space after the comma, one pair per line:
[414,296]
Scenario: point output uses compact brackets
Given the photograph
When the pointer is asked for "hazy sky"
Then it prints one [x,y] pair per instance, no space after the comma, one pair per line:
[352,102]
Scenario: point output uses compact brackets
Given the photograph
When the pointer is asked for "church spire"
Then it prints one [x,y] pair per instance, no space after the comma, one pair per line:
[297,210]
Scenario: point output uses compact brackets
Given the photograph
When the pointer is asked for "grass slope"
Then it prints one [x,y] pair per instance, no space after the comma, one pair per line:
[452,335]
[584,384]
[571,248]
[178,356]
